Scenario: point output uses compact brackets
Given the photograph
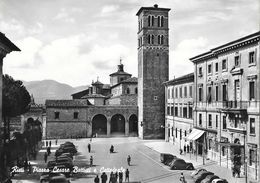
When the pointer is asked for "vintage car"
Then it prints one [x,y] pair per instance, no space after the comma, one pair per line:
[180,164]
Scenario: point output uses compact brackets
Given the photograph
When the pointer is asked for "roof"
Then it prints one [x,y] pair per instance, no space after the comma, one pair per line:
[183,79]
[93,96]
[228,46]
[120,73]
[8,43]
[67,103]
[155,7]
[106,86]
[81,92]
[129,80]
[97,83]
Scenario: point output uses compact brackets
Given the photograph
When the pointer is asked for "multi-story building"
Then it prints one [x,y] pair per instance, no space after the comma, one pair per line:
[179,110]
[226,101]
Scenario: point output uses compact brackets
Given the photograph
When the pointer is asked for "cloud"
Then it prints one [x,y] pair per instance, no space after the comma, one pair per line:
[179,58]
[64,16]
[109,9]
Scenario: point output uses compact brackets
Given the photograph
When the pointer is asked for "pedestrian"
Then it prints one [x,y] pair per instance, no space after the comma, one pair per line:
[127,175]
[30,168]
[56,141]
[46,143]
[120,175]
[111,177]
[26,164]
[96,135]
[116,176]
[188,148]
[103,177]
[91,160]
[89,147]
[96,180]
[128,160]
[182,178]
[181,151]
[50,143]
[45,157]
[112,149]
[184,148]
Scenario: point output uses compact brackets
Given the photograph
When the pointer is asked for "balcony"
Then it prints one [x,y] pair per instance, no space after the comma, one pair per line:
[235,104]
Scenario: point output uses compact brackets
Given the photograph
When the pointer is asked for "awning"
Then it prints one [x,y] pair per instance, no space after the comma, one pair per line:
[195,134]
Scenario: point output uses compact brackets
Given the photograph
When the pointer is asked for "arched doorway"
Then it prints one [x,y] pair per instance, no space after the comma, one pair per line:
[133,124]
[99,124]
[118,124]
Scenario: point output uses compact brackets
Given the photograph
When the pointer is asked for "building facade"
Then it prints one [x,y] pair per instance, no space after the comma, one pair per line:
[179,110]
[100,110]
[153,69]
[226,103]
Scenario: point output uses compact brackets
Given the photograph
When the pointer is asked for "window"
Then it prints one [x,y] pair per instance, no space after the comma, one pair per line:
[136,90]
[216,67]
[172,111]
[152,41]
[210,120]
[209,69]
[190,91]
[127,91]
[224,92]
[237,61]
[251,90]
[180,134]
[200,94]
[185,112]
[149,39]
[216,93]
[223,150]
[180,112]
[56,115]
[216,121]
[224,126]
[180,92]
[172,131]
[252,156]
[236,122]
[176,111]
[172,92]
[75,115]
[176,132]
[252,125]
[185,91]
[149,21]
[152,21]
[210,144]
[185,133]
[252,57]
[168,110]
[224,64]
[200,71]
[160,39]
[160,21]
[176,92]
[200,119]
[169,93]
[209,97]
[190,112]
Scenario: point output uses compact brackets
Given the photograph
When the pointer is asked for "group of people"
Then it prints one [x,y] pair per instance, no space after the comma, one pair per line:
[186,148]
[114,177]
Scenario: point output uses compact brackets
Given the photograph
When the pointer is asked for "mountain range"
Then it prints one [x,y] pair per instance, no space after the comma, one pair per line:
[50,89]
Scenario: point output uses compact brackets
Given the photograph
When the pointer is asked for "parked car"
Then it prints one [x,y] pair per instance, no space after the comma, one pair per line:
[46,176]
[68,154]
[167,158]
[219,181]
[59,179]
[209,178]
[63,156]
[201,175]
[62,150]
[197,171]
[180,164]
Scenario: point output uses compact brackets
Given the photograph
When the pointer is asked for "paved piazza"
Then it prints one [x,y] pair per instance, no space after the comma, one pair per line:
[145,163]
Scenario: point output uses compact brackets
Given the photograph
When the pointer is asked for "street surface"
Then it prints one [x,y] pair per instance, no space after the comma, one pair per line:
[145,161]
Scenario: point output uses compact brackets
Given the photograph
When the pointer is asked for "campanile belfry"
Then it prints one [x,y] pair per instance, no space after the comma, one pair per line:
[153,70]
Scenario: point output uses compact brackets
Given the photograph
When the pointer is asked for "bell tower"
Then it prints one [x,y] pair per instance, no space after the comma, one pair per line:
[153,70]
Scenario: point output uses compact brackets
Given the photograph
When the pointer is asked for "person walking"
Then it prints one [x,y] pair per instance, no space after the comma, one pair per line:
[111,177]
[103,177]
[182,178]
[184,148]
[50,143]
[91,160]
[96,180]
[129,160]
[47,143]
[45,157]
[116,176]
[49,150]
[56,141]
[127,175]
[120,175]
[89,147]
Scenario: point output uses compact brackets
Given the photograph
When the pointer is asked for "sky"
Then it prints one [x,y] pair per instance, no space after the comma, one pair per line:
[76,41]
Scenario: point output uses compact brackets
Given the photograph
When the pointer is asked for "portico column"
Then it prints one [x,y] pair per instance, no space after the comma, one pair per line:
[127,127]
[108,127]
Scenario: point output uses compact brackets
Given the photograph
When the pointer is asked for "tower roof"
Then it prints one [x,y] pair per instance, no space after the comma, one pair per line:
[120,70]
[155,7]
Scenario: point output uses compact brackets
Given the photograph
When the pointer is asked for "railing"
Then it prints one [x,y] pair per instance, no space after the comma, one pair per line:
[230,104]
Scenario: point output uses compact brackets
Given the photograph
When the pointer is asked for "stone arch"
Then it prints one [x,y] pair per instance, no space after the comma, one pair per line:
[133,124]
[118,123]
[99,124]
